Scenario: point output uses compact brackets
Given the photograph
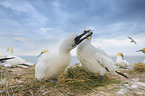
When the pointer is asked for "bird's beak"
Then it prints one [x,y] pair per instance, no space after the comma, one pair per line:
[40,54]
[139,51]
[79,38]
[122,57]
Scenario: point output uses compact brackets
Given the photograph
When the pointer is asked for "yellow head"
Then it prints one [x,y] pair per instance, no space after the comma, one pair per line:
[43,51]
[119,54]
[90,37]
[142,50]
[24,60]
[2,56]
[10,49]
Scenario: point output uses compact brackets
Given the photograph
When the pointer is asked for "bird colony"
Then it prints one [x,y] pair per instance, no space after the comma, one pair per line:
[52,65]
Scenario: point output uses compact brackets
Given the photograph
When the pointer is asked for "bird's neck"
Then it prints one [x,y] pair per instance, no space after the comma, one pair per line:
[85,43]
[65,56]
[11,52]
[63,49]
[64,52]
[119,57]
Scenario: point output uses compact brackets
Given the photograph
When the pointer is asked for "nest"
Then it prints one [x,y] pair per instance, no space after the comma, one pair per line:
[139,67]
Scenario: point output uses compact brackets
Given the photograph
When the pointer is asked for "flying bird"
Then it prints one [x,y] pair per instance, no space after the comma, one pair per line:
[52,65]
[95,59]
[132,40]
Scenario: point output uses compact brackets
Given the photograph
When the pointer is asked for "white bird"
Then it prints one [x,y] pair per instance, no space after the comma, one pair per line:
[2,56]
[142,50]
[95,59]
[16,61]
[3,59]
[52,65]
[121,62]
[43,52]
[28,63]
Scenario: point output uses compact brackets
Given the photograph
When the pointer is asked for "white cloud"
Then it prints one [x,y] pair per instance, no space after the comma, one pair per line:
[21,39]
[24,6]
[16,6]
[46,29]
[120,44]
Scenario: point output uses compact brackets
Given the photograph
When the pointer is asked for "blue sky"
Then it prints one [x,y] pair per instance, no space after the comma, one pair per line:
[30,26]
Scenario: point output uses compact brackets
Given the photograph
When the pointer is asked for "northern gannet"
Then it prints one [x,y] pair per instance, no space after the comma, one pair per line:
[3,58]
[52,65]
[142,50]
[16,61]
[28,63]
[132,41]
[121,62]
[95,59]
[43,52]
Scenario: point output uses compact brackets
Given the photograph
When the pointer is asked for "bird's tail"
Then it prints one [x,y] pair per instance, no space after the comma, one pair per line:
[121,74]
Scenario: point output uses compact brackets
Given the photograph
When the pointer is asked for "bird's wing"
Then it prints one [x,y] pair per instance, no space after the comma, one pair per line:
[105,61]
[126,63]
[130,38]
[99,50]
[6,58]
[135,42]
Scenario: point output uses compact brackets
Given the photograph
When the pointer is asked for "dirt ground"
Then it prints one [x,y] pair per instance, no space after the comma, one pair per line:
[21,81]
[132,86]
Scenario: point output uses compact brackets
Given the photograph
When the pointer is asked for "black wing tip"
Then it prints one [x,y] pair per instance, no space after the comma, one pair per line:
[6,58]
[121,74]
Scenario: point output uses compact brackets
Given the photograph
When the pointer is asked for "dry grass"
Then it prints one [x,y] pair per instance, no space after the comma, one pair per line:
[139,67]
[75,81]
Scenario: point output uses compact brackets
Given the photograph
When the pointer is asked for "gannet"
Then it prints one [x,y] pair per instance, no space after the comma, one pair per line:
[142,50]
[95,59]
[132,41]
[52,65]
[28,63]
[42,52]
[17,60]
[3,58]
[121,62]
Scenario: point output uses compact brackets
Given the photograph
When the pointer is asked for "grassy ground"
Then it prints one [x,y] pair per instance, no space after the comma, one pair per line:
[76,81]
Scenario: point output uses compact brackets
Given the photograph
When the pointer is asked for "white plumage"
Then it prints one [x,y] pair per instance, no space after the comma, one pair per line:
[142,50]
[144,61]
[28,63]
[94,59]
[43,52]
[121,62]
[1,57]
[17,60]
[51,65]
